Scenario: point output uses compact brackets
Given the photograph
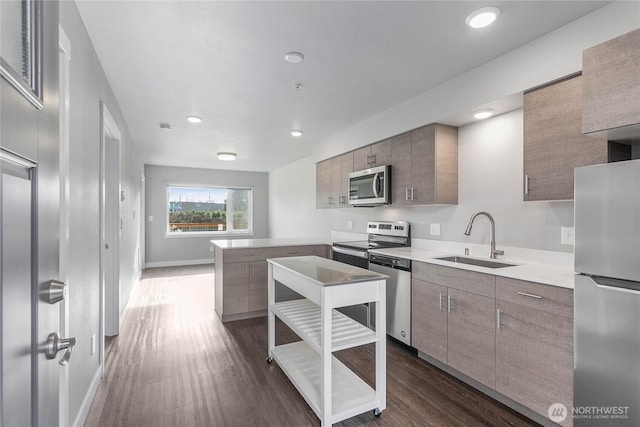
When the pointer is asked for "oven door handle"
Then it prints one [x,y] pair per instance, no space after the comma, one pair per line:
[352,252]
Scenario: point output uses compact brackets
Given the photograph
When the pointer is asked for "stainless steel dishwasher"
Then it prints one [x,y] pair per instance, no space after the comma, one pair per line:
[398,294]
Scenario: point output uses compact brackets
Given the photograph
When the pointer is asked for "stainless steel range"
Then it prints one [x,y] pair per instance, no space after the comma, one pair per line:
[382,235]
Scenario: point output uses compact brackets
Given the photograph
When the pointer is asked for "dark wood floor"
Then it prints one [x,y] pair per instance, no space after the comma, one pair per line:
[175,364]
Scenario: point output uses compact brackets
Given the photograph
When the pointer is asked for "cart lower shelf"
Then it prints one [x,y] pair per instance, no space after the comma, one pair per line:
[302,365]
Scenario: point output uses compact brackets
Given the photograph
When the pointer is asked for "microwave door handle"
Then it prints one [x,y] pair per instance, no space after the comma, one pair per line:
[375,185]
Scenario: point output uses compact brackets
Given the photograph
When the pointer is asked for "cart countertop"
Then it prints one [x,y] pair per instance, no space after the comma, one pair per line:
[326,272]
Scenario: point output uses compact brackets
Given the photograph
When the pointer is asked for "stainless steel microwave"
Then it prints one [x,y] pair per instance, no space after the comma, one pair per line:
[370,187]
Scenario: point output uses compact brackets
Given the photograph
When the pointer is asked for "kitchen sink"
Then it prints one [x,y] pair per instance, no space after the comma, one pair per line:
[473,261]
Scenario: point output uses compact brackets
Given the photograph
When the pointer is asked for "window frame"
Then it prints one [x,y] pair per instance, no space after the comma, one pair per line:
[229,218]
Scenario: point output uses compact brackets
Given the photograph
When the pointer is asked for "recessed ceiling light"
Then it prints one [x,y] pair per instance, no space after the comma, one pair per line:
[294,57]
[194,119]
[296,133]
[483,17]
[226,156]
[483,114]
[165,126]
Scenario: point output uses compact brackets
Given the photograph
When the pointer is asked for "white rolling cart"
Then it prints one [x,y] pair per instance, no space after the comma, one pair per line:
[332,390]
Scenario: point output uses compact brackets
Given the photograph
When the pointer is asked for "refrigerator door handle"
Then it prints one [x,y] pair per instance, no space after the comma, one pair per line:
[617,285]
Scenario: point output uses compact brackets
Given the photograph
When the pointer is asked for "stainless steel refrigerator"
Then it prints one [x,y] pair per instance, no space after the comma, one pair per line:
[607,295]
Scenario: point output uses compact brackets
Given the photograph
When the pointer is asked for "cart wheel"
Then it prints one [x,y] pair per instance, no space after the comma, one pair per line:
[377,412]
[269,359]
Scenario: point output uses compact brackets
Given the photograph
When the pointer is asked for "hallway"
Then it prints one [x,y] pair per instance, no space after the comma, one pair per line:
[175,364]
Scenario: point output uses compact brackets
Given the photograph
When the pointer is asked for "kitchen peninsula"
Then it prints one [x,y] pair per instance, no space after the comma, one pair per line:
[241,272]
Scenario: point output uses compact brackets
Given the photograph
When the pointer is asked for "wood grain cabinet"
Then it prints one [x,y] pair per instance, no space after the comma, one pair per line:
[534,344]
[611,96]
[377,154]
[553,141]
[453,319]
[425,166]
[241,277]
[332,181]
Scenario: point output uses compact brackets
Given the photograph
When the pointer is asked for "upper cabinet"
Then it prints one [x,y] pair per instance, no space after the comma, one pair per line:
[553,141]
[377,154]
[332,181]
[425,166]
[611,73]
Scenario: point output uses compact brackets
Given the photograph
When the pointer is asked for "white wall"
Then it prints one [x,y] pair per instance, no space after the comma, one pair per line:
[490,179]
[163,250]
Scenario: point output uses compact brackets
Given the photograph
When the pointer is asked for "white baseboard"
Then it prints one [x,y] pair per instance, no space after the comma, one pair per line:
[83,413]
[178,263]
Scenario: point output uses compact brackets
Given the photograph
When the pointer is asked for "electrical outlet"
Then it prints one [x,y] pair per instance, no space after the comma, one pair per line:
[435,229]
[93,343]
[350,225]
[567,235]
[210,248]
[150,218]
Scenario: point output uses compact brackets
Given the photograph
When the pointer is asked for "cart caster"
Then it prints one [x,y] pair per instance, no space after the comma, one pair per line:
[377,412]
[269,359]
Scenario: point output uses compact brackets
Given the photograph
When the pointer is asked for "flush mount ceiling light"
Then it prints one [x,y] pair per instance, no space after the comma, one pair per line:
[294,57]
[194,119]
[296,132]
[482,17]
[483,114]
[165,126]
[226,156]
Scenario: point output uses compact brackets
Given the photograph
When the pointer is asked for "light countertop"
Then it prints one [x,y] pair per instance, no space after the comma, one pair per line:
[326,272]
[555,275]
[265,243]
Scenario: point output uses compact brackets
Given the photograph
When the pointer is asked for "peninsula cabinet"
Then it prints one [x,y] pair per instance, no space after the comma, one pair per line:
[332,181]
[611,97]
[453,319]
[553,141]
[425,166]
[241,276]
[534,344]
[377,154]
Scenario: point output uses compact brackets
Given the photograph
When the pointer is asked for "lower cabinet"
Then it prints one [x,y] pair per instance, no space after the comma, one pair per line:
[534,344]
[242,292]
[513,336]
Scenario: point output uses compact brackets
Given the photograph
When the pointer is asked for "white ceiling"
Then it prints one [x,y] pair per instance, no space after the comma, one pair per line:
[224,61]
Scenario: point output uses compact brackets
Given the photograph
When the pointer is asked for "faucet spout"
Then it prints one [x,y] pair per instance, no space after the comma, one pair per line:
[492,231]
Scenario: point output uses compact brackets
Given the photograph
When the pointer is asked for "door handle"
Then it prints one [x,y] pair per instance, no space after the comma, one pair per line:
[56,344]
[375,185]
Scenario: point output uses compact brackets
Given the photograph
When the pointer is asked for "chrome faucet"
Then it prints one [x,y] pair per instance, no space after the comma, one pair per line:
[492,231]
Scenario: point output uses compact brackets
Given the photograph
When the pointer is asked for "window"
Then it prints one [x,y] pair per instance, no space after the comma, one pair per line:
[209,210]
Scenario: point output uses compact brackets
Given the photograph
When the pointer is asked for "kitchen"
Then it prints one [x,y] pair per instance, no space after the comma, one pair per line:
[488,177]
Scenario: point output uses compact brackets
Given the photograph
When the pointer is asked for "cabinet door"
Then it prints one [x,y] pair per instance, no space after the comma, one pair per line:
[534,357]
[258,277]
[471,335]
[381,153]
[429,319]
[323,184]
[611,73]
[318,250]
[423,160]
[401,169]
[341,166]
[553,141]
[235,279]
[362,158]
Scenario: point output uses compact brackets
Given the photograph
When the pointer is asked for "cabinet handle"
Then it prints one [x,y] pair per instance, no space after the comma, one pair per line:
[526,184]
[448,303]
[330,200]
[406,193]
[368,160]
[412,198]
[440,301]
[373,159]
[498,319]
[524,294]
